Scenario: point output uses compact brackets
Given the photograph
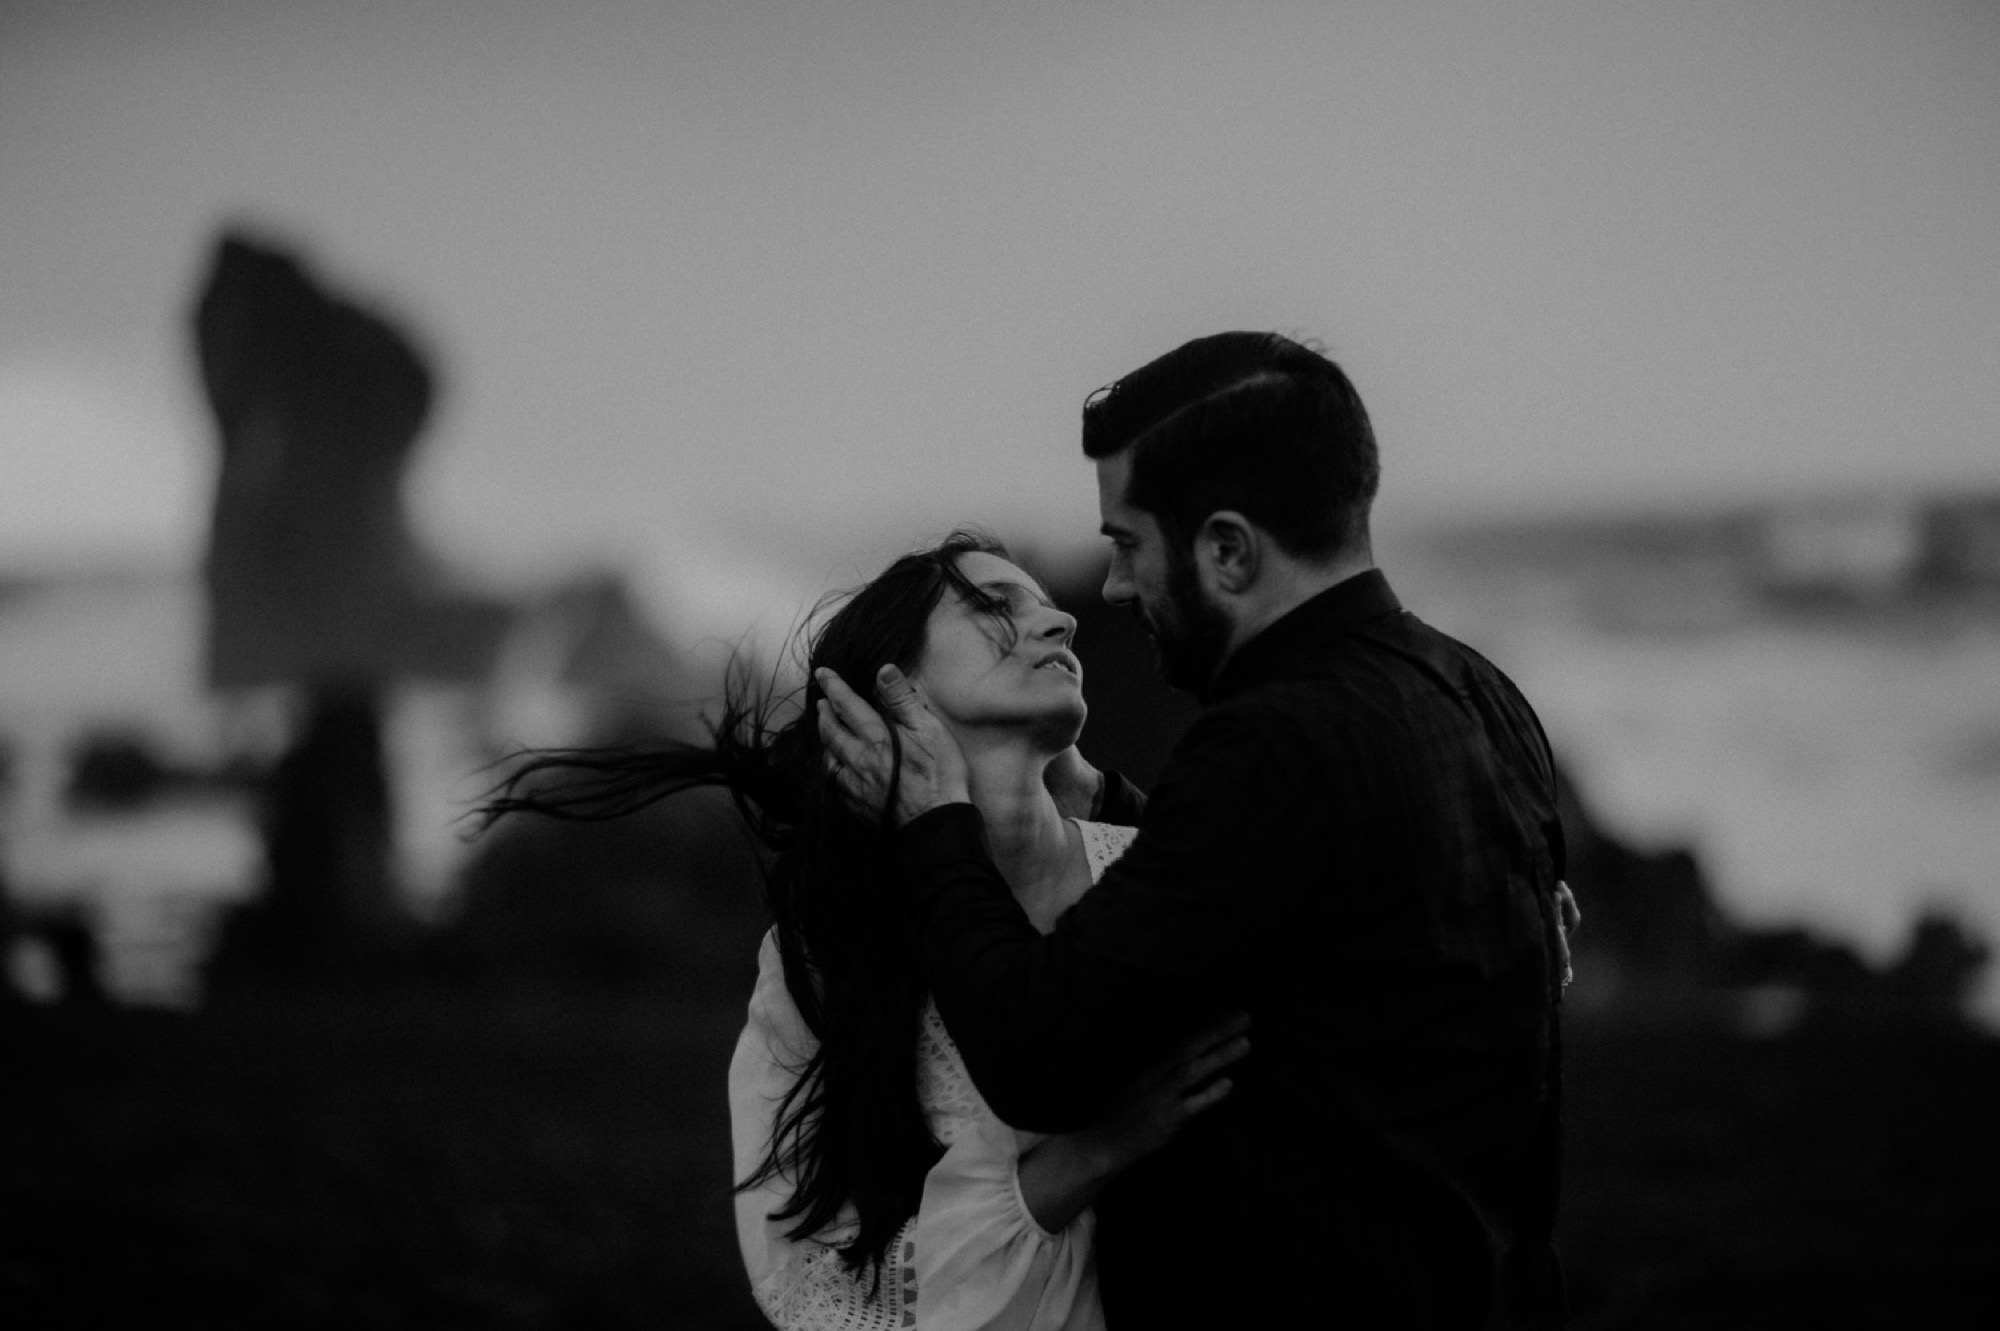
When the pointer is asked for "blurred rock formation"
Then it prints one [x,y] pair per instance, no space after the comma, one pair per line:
[398,678]
[1656,948]
[312,572]
[315,582]
[329,906]
[1653,912]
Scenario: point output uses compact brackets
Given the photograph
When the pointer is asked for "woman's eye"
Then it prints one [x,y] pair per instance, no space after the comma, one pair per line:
[1026,601]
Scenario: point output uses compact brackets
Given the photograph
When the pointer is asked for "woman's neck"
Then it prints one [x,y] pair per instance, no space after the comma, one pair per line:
[1027,835]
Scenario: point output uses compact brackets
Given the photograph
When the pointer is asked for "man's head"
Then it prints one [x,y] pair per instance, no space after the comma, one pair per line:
[1235,475]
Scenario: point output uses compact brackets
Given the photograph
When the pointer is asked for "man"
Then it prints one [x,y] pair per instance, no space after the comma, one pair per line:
[1356,842]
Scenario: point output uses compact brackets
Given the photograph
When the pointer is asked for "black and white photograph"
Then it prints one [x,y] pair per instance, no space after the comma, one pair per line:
[736,664]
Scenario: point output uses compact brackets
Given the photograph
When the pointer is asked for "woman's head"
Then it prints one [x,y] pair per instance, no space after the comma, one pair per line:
[977,636]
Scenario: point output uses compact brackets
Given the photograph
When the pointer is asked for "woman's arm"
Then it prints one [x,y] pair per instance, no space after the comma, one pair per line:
[1064,1174]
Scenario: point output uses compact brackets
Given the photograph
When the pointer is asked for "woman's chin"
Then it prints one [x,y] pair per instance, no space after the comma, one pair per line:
[1059,730]
[1050,723]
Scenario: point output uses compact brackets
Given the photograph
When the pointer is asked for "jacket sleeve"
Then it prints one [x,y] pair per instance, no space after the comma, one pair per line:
[1051,1026]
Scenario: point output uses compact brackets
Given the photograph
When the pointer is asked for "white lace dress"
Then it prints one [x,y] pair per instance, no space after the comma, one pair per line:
[972,1256]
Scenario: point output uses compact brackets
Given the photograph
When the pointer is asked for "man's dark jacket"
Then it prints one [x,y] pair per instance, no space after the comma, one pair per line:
[1356,842]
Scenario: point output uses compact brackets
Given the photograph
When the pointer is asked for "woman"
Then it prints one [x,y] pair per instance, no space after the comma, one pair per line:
[876,1188]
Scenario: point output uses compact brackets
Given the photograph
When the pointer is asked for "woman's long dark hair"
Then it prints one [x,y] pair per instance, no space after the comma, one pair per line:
[850,1130]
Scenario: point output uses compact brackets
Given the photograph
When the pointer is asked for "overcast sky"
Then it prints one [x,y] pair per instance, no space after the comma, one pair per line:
[723,288]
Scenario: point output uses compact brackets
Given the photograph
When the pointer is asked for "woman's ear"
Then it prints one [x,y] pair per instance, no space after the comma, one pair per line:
[1229,551]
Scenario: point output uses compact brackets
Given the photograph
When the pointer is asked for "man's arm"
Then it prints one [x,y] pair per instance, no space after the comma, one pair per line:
[1065,1173]
[1119,802]
[1081,791]
[1051,1026]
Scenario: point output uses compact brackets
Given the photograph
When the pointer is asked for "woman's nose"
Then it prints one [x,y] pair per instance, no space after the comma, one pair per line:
[1058,625]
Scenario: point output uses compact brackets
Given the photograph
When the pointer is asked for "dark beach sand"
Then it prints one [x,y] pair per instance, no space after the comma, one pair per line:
[448,1159]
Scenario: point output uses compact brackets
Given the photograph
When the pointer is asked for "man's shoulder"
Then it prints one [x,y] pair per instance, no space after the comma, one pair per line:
[1400,652]
[1366,687]
[1427,638]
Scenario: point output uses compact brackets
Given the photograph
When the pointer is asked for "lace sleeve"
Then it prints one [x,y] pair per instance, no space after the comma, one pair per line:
[981,1261]
[801,1284]
[813,1291]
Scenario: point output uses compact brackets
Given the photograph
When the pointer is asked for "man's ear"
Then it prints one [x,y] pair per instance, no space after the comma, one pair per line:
[1229,550]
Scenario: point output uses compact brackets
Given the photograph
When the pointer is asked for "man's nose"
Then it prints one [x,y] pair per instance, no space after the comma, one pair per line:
[1117,585]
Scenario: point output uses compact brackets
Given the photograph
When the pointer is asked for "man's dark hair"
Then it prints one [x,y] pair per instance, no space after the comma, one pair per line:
[1248,421]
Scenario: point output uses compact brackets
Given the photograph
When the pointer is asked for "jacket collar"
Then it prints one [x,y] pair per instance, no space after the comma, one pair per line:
[1341,609]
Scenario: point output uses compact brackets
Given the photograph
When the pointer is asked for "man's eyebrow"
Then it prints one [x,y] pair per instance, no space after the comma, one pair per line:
[1113,529]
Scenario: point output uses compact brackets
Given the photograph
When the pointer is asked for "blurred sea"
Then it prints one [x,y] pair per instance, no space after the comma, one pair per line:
[1831,755]
[1833,761]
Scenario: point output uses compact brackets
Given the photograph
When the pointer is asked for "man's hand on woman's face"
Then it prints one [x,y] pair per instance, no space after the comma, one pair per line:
[862,756]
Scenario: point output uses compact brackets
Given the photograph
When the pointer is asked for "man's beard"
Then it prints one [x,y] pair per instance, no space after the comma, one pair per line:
[1190,632]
